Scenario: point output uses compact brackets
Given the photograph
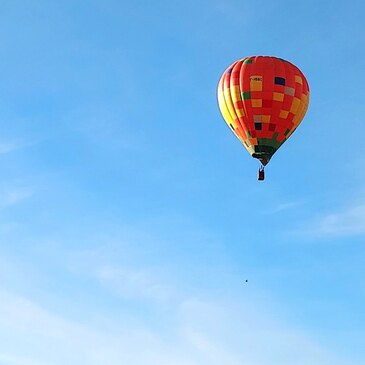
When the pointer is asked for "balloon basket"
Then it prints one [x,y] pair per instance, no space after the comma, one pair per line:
[261,174]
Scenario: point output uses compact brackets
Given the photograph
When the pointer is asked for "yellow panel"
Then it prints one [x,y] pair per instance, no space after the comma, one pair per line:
[235,93]
[256,103]
[278,96]
[294,105]
[230,106]
[235,97]
[303,106]
[299,80]
[296,119]
[299,115]
[256,83]
[248,146]
[240,113]
[250,149]
[265,118]
[283,114]
[305,98]
[224,109]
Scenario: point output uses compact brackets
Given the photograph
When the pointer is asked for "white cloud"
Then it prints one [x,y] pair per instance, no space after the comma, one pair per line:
[192,327]
[236,334]
[348,222]
[285,206]
[133,283]
[18,360]
[203,333]
[117,267]
[32,335]
[8,227]
[10,146]
[13,196]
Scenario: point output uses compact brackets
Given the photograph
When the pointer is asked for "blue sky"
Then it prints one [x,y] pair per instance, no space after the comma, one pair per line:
[130,216]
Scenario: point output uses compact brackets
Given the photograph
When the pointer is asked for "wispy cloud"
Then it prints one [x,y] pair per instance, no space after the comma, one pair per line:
[192,327]
[11,146]
[8,227]
[204,332]
[10,196]
[214,330]
[284,206]
[134,283]
[116,265]
[18,360]
[49,338]
[6,147]
[348,222]
[242,334]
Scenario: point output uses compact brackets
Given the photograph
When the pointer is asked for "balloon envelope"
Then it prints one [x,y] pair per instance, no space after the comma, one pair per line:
[263,100]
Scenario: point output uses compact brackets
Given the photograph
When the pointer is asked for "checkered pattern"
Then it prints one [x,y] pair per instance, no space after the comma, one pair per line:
[263,100]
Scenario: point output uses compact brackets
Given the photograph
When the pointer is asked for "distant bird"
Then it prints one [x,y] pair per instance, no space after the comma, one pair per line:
[246,281]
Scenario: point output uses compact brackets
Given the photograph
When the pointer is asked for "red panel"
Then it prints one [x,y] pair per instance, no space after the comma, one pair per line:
[298,90]
[272,127]
[256,94]
[288,100]
[244,78]
[266,103]
[290,117]
[265,134]
[238,104]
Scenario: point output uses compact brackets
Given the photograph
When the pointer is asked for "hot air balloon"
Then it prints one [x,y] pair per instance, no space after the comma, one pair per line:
[263,100]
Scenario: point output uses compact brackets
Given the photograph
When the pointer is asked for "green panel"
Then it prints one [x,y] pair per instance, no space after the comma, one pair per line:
[265,149]
[272,142]
[248,61]
[246,95]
